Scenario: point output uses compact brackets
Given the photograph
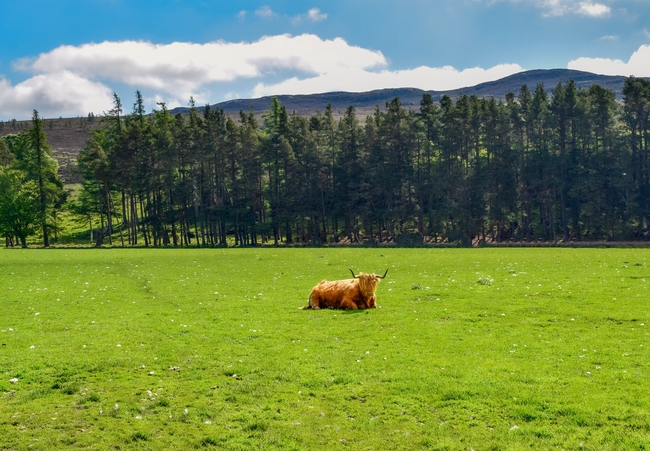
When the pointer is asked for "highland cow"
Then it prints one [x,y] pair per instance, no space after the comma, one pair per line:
[349,294]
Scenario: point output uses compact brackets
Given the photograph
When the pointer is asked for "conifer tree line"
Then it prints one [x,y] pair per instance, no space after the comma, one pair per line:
[572,165]
[31,191]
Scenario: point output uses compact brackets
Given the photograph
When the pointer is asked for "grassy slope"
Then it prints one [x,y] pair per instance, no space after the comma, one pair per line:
[482,349]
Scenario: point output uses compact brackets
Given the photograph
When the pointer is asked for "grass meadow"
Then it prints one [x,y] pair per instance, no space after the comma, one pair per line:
[483,349]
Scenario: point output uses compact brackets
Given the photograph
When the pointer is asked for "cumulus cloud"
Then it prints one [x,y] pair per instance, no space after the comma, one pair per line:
[313,15]
[54,94]
[265,11]
[181,68]
[564,7]
[73,80]
[638,64]
[593,9]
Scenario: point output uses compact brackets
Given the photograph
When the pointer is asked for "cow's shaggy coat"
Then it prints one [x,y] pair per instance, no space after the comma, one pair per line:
[349,294]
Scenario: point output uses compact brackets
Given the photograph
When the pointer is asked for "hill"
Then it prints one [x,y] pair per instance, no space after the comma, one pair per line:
[365,102]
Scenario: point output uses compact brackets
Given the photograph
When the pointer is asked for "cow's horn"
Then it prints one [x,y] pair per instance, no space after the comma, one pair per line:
[356,277]
[381,277]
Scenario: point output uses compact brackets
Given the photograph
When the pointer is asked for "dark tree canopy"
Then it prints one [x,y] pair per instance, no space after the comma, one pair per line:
[569,164]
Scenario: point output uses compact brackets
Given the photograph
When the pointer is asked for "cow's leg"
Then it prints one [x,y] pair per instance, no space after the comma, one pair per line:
[313,302]
[348,304]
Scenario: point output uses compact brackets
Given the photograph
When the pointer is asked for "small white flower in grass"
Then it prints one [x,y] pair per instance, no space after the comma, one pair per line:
[207,422]
[367,352]
[117,406]
[13,380]
[573,319]
[138,417]
[119,345]
[185,412]
[515,427]
[32,347]
[37,313]
[588,373]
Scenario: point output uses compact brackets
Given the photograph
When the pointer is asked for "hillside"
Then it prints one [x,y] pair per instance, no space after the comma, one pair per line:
[365,102]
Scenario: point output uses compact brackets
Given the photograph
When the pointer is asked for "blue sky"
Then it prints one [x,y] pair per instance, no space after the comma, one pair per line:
[67,57]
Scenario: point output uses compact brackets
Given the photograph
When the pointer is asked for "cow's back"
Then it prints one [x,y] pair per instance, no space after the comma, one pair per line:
[331,294]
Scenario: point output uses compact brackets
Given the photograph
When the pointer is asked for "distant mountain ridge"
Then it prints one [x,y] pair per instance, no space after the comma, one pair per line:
[365,102]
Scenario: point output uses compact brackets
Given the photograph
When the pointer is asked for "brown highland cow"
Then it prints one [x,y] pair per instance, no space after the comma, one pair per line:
[349,294]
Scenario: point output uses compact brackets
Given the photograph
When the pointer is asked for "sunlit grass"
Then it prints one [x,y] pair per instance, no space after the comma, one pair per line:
[471,349]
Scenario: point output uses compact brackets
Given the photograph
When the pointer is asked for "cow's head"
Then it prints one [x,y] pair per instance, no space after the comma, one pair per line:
[368,283]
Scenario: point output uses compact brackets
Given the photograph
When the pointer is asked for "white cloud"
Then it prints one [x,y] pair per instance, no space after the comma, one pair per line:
[609,38]
[241,15]
[554,8]
[54,94]
[593,9]
[231,95]
[313,15]
[73,80]
[182,68]
[359,80]
[265,11]
[638,64]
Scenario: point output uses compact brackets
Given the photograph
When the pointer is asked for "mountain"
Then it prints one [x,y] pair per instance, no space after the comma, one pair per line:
[365,102]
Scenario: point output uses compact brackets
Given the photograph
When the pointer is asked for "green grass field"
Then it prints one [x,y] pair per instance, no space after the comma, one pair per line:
[480,349]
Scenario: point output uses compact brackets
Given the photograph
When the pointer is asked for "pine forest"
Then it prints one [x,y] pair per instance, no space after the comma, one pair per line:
[565,165]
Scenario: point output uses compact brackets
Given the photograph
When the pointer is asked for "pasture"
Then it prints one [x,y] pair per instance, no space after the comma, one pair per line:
[484,349]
